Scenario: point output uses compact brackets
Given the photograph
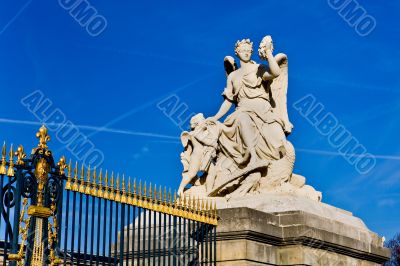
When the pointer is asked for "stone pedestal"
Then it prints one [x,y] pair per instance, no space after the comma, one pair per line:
[326,236]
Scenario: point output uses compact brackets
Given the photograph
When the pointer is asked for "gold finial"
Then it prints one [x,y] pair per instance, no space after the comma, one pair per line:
[20,153]
[175,201]
[123,197]
[43,137]
[133,192]
[100,190]
[160,195]
[117,183]
[87,189]
[140,189]
[88,174]
[106,195]
[206,211]
[155,193]
[10,171]
[82,183]
[179,201]
[117,190]
[75,184]
[169,197]
[4,150]
[198,204]
[3,169]
[128,192]
[62,165]
[69,167]
[123,183]
[112,189]
[193,204]
[189,203]
[185,206]
[93,185]
[144,190]
[165,196]
[150,192]
[185,202]
[134,187]
[68,184]
[207,208]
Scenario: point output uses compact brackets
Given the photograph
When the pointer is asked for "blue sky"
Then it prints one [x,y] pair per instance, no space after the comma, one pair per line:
[150,51]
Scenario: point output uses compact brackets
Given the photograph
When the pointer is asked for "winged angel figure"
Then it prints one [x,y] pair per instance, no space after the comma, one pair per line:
[248,152]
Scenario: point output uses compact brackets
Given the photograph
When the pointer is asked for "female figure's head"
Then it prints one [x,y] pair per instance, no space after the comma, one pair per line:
[244,50]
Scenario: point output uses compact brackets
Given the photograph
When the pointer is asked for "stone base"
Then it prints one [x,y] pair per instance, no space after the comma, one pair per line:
[250,237]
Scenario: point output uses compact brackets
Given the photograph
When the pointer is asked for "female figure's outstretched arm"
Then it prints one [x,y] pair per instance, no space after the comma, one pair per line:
[227,104]
[225,107]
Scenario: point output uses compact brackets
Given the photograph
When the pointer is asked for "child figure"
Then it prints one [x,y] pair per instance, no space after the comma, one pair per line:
[200,148]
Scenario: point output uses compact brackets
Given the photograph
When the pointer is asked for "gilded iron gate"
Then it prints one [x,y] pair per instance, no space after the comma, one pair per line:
[90,217]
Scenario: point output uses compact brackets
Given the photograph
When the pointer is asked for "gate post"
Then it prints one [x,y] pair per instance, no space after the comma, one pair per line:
[40,181]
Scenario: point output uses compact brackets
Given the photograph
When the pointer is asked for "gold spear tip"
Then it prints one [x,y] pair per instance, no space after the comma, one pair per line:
[82,171]
[117,182]
[88,172]
[10,171]
[112,179]
[82,186]
[4,150]
[150,190]
[87,189]
[94,175]
[100,176]
[69,168]
[76,170]
[75,184]
[175,201]
[117,190]
[11,154]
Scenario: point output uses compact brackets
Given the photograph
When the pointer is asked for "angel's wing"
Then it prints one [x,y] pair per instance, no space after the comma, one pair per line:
[185,138]
[229,64]
[279,87]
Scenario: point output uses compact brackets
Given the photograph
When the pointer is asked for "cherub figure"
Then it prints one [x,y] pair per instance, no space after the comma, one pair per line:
[200,148]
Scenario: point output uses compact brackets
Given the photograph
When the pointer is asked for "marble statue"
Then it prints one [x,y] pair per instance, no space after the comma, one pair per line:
[247,153]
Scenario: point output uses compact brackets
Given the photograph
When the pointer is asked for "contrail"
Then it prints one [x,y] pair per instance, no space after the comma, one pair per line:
[16,16]
[93,128]
[175,140]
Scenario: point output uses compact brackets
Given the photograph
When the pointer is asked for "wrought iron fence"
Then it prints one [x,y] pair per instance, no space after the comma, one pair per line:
[86,217]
